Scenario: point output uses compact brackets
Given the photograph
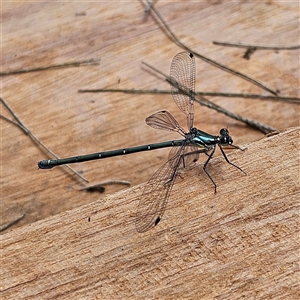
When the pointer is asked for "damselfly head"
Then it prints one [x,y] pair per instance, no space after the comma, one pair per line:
[194,131]
[225,138]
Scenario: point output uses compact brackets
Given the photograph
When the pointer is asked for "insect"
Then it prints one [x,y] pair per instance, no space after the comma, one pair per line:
[184,152]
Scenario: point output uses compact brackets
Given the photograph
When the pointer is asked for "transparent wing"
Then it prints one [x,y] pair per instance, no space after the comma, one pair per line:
[165,121]
[182,74]
[156,193]
[190,154]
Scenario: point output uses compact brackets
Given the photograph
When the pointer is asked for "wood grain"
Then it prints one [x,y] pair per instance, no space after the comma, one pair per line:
[122,36]
[113,260]
[242,242]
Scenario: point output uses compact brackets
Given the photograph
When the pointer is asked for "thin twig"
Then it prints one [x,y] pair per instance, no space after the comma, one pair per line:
[204,102]
[210,61]
[260,47]
[292,100]
[148,7]
[14,123]
[94,61]
[5,226]
[249,52]
[33,137]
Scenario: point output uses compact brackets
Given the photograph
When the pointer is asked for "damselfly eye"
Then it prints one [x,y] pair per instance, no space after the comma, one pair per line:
[224,131]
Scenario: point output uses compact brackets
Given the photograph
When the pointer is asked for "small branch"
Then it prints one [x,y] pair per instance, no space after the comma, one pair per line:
[292,100]
[207,60]
[93,61]
[22,126]
[148,7]
[258,47]
[249,52]
[7,225]
[204,102]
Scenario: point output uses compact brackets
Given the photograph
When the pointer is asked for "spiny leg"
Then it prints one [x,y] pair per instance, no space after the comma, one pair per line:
[181,160]
[231,162]
[205,165]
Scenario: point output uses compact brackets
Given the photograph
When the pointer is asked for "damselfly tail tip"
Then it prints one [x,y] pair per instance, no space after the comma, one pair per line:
[44,164]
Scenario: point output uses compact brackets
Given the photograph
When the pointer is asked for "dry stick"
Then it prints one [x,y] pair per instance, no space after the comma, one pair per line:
[218,65]
[28,132]
[260,47]
[64,65]
[109,182]
[204,102]
[148,7]
[252,48]
[249,52]
[5,226]
[292,100]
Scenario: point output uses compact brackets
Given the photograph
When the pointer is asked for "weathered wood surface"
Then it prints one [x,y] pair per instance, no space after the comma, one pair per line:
[122,36]
[242,242]
[40,34]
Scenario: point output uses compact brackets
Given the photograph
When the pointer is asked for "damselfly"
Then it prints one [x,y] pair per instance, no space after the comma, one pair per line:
[184,152]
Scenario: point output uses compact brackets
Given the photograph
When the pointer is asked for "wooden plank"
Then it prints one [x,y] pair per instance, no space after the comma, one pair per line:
[242,242]
[122,36]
